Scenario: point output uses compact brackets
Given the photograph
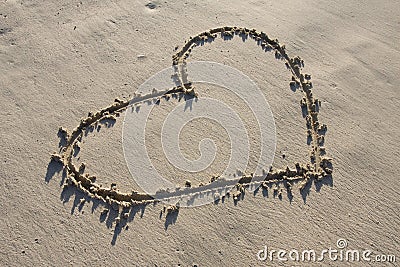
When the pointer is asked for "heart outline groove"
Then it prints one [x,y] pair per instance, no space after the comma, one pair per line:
[319,167]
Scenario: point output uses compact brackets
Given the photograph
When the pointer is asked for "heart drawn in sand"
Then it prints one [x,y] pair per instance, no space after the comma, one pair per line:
[182,86]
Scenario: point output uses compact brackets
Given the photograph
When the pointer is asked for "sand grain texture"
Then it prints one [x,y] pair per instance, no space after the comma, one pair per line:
[61,60]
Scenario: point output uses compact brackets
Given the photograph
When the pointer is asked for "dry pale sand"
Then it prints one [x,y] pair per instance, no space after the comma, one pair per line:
[61,60]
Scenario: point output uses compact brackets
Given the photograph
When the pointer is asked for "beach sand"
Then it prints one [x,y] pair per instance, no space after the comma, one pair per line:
[60,61]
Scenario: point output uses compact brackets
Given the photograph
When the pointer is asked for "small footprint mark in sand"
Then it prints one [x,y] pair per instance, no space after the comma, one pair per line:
[151,5]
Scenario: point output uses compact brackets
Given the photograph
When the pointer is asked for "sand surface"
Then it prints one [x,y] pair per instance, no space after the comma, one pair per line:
[60,61]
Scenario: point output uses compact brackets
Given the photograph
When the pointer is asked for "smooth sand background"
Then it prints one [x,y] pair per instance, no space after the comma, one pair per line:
[52,75]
